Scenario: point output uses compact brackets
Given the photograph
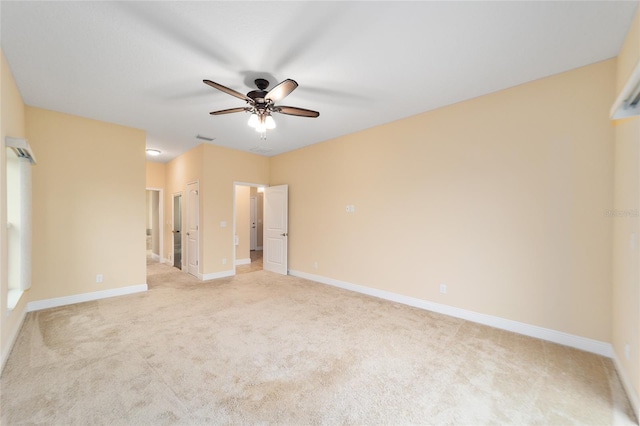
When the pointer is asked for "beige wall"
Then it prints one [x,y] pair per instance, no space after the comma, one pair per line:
[88,204]
[155,175]
[243,223]
[626,283]
[501,198]
[224,167]
[12,123]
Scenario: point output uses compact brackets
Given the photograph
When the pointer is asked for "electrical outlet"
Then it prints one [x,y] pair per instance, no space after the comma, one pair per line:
[99,278]
[224,261]
[315,265]
[443,288]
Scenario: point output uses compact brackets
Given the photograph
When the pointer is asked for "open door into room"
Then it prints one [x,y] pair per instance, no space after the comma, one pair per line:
[193,228]
[276,229]
[248,221]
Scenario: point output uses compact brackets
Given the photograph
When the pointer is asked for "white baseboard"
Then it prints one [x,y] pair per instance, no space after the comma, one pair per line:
[12,340]
[84,297]
[155,257]
[578,342]
[246,261]
[626,384]
[215,275]
[258,248]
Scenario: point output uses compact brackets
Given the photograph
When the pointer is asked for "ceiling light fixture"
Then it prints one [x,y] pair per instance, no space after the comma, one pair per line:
[261,120]
[261,104]
[153,152]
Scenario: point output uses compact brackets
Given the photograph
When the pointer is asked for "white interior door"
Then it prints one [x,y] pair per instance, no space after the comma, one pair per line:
[276,229]
[253,232]
[193,227]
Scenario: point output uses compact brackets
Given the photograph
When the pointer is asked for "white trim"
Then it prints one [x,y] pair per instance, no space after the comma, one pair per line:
[215,275]
[155,257]
[626,384]
[12,341]
[246,261]
[578,342]
[84,297]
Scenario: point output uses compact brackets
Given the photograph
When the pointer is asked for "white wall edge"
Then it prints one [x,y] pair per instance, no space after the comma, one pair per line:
[243,261]
[12,341]
[562,338]
[626,384]
[215,275]
[84,297]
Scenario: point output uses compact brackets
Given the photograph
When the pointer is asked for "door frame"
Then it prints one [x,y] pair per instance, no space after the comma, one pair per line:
[233,234]
[160,221]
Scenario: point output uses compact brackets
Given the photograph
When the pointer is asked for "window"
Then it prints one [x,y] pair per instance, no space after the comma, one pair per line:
[18,181]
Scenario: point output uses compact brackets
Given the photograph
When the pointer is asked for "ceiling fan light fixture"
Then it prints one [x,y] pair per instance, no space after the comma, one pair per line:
[260,104]
[261,127]
[269,123]
[253,120]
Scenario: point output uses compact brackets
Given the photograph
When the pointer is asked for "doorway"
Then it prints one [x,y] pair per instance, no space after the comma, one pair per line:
[154,225]
[176,229]
[248,225]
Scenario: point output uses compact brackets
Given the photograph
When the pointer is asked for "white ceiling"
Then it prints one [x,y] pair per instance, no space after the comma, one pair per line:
[360,64]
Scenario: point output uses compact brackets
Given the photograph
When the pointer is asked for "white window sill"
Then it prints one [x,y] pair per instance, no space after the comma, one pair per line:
[13,296]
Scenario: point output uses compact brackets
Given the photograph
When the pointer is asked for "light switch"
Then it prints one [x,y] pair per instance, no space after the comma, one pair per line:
[223,224]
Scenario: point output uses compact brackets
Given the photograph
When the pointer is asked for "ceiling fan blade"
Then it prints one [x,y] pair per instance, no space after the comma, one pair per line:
[228,91]
[229,111]
[300,112]
[281,91]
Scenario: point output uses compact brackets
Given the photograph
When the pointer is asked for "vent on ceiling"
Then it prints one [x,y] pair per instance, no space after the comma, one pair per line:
[260,150]
[204,138]
[21,148]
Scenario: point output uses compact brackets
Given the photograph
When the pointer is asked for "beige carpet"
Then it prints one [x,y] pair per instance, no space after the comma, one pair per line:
[261,348]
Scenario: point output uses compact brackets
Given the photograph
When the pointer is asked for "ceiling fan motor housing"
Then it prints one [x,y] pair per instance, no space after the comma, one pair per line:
[259,95]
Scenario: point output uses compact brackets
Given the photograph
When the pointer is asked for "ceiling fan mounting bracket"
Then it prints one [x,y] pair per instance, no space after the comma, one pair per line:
[261,83]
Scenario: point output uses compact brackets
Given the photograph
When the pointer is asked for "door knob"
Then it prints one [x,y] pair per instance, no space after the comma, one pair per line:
[284,234]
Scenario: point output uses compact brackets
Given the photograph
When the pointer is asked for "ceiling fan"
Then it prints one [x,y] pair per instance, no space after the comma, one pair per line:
[261,103]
